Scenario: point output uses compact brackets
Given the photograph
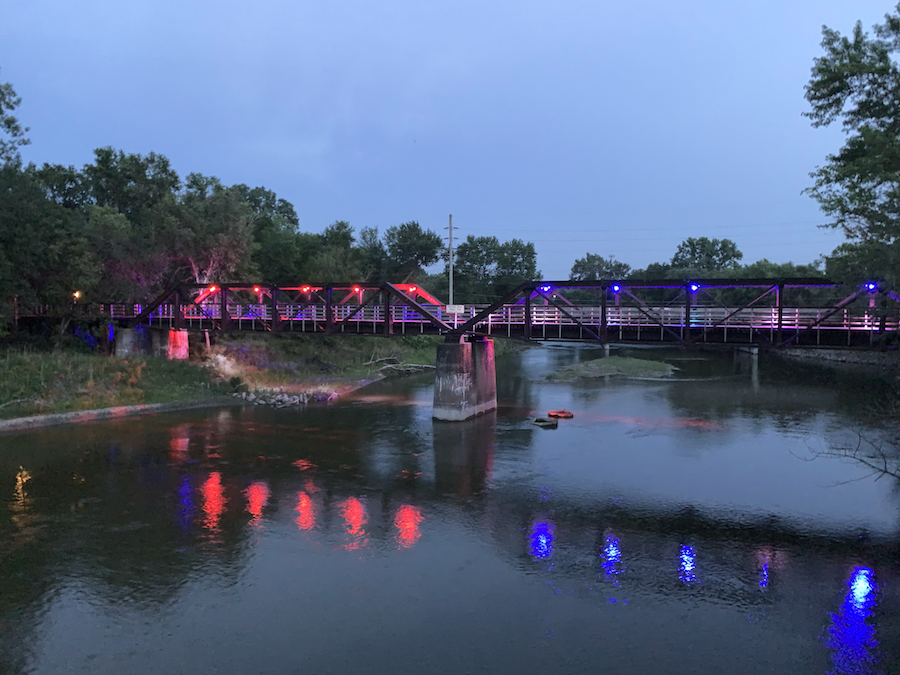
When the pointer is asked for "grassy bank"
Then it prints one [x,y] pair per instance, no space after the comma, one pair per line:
[54,381]
[35,383]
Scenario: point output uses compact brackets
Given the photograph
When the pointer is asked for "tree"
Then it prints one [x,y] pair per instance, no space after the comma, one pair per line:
[375,263]
[474,267]
[53,260]
[214,236]
[516,263]
[706,255]
[410,248]
[593,267]
[9,125]
[857,82]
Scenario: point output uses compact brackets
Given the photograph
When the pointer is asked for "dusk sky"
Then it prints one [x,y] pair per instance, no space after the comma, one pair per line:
[611,128]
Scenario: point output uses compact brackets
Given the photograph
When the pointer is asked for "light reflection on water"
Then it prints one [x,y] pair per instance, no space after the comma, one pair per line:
[402,545]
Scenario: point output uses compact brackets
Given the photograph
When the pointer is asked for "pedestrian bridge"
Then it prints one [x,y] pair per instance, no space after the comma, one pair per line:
[769,312]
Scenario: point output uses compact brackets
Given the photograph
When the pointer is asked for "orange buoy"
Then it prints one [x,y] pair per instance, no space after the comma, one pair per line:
[562,414]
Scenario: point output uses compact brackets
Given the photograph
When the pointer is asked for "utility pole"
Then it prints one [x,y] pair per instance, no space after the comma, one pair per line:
[450,228]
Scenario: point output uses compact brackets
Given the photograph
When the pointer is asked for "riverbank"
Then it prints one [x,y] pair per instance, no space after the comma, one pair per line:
[273,368]
[884,361]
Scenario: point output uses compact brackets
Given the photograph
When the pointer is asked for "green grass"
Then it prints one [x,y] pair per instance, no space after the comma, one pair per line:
[614,365]
[33,383]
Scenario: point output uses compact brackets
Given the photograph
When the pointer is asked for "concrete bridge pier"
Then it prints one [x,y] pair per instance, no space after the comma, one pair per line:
[465,383]
[746,361]
[139,341]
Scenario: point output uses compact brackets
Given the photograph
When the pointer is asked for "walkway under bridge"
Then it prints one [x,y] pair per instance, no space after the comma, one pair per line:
[769,312]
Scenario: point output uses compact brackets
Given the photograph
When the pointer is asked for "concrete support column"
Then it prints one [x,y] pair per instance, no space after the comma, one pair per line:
[133,342]
[177,348]
[465,383]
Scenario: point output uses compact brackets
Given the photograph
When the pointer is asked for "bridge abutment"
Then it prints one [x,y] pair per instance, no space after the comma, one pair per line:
[465,383]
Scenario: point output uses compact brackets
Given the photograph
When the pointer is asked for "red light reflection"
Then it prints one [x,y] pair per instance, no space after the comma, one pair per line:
[213,500]
[306,512]
[407,521]
[304,465]
[354,513]
[257,496]
[179,440]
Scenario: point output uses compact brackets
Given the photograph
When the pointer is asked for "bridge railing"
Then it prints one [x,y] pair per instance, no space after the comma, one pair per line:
[758,318]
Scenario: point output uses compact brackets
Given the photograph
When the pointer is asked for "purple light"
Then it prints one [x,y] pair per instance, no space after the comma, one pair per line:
[871,286]
[694,288]
[545,289]
[616,288]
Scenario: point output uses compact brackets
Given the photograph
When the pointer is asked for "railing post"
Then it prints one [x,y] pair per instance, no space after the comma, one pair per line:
[686,327]
[329,311]
[528,293]
[779,303]
[178,310]
[273,308]
[224,319]
[388,323]
[603,317]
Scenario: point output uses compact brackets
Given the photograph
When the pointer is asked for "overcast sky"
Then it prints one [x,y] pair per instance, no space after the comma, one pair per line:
[594,126]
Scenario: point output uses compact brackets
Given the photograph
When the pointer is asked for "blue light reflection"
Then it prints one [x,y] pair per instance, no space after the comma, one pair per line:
[764,576]
[851,638]
[541,540]
[688,564]
[612,555]
[186,509]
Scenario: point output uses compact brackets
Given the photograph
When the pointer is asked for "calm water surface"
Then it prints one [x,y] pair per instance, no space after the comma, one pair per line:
[695,526]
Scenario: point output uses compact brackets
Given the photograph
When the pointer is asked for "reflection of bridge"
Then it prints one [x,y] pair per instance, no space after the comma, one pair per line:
[773,312]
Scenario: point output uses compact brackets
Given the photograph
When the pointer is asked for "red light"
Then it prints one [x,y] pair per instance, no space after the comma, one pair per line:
[213,500]
[412,289]
[407,521]
[256,289]
[356,289]
[257,496]
[355,517]
[212,289]
[306,512]
[305,289]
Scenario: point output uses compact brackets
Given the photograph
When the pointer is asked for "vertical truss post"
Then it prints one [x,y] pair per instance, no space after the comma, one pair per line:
[386,304]
[177,309]
[273,308]
[528,314]
[329,311]
[779,303]
[686,328]
[224,319]
[603,317]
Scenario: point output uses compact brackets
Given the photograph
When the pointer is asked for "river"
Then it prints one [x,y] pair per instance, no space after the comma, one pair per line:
[703,525]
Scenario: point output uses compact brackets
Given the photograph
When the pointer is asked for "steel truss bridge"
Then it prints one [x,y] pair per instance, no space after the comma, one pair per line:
[771,312]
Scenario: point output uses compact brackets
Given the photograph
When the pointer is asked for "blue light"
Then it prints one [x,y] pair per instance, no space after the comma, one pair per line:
[545,289]
[541,540]
[616,288]
[112,331]
[871,286]
[612,555]
[187,504]
[688,565]
[851,638]
[862,589]
[764,577]
[694,288]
